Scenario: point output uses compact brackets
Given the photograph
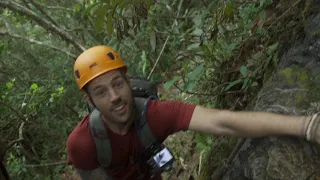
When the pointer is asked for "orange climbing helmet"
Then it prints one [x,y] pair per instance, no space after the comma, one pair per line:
[94,62]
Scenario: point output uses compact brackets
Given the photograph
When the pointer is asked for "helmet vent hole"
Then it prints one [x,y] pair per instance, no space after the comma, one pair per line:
[92,65]
[76,72]
[111,56]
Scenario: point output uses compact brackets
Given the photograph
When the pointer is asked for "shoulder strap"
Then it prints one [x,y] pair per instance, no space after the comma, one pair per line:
[142,127]
[100,135]
[101,139]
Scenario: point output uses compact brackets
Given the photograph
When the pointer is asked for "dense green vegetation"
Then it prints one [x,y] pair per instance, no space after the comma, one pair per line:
[214,53]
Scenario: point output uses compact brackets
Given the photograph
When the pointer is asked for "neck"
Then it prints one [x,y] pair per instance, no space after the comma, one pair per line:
[119,128]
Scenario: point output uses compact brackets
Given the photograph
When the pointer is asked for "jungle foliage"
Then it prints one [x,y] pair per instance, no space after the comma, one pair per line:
[216,53]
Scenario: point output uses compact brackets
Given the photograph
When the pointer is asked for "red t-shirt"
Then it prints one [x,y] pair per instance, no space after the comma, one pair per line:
[164,118]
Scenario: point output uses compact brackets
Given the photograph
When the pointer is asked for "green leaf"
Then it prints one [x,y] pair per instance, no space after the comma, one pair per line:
[189,85]
[77,7]
[196,72]
[257,55]
[9,85]
[89,8]
[148,3]
[61,89]
[169,7]
[245,83]
[228,10]
[180,5]
[232,46]
[113,3]
[209,141]
[110,23]
[125,3]
[168,84]
[34,86]
[272,49]
[243,70]
[201,146]
[267,61]
[197,32]
[153,41]
[100,13]
[109,2]
[193,46]
[233,83]
[197,20]
[262,15]
[264,3]
[275,59]
[211,4]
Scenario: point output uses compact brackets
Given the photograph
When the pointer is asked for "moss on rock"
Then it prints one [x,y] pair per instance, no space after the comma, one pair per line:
[296,74]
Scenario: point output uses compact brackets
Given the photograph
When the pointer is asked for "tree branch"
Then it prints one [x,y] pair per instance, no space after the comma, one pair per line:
[154,66]
[12,143]
[39,43]
[38,6]
[57,7]
[175,22]
[13,6]
[47,164]
[213,94]
[15,111]
[8,25]
[26,3]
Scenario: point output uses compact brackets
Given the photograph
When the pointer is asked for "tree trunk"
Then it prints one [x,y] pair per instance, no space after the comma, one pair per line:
[293,89]
[3,171]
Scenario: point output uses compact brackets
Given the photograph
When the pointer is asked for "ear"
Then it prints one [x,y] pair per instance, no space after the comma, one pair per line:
[87,98]
[129,81]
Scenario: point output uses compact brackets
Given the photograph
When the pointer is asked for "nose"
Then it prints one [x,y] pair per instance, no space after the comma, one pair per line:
[114,96]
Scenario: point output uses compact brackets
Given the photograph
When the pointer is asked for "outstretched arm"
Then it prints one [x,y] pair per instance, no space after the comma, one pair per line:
[248,124]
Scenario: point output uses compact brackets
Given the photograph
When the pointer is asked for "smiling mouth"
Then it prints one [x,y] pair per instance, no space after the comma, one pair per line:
[119,108]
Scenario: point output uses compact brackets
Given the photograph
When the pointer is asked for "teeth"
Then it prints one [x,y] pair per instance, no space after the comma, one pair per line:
[119,108]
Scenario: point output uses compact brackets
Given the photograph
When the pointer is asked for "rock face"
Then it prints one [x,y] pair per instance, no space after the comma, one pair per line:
[293,89]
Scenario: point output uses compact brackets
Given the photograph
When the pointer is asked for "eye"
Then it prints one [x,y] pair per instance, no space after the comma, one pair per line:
[100,92]
[118,84]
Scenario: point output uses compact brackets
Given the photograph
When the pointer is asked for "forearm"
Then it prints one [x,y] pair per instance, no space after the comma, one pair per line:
[258,124]
[254,124]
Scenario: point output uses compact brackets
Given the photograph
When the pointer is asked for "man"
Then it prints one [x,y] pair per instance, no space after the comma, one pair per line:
[101,74]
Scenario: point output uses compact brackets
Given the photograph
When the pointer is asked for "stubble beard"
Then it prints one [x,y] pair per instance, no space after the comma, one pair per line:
[119,121]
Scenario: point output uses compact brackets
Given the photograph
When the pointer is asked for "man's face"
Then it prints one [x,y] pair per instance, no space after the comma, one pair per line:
[111,94]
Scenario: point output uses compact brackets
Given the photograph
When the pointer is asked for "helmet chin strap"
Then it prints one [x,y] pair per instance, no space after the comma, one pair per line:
[90,104]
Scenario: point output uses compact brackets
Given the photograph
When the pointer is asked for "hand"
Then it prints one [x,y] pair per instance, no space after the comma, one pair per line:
[312,130]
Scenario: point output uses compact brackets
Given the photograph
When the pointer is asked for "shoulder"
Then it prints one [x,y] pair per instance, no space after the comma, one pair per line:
[157,105]
[168,117]
[81,147]
[80,133]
